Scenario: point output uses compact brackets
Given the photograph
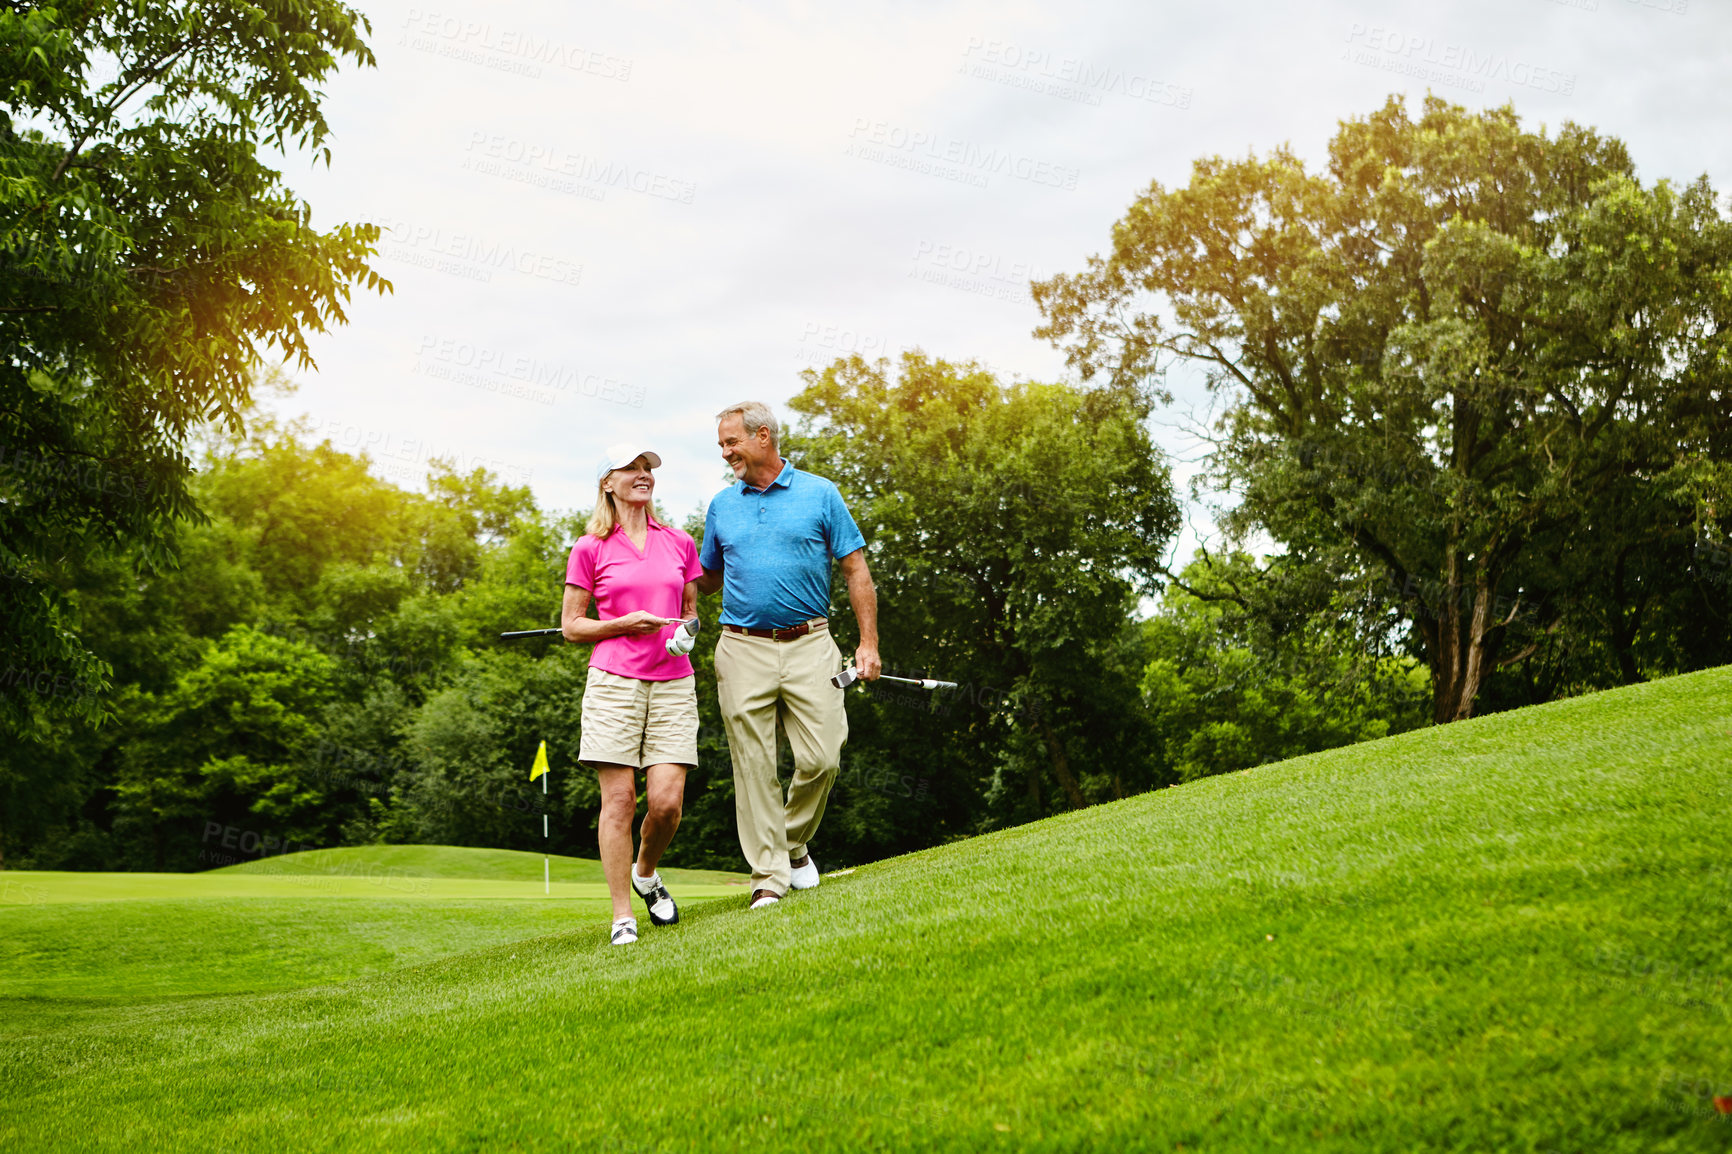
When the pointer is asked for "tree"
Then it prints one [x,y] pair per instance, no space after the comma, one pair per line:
[224,747]
[1010,529]
[1227,691]
[315,585]
[1475,366]
[471,746]
[148,260]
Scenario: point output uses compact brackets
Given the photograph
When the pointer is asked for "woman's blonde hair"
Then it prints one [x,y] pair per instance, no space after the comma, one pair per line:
[605,519]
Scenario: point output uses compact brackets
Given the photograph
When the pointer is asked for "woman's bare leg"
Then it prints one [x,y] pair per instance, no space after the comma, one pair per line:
[613,831]
[665,790]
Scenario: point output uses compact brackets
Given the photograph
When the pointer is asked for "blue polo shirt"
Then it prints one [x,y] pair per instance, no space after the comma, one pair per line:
[773,547]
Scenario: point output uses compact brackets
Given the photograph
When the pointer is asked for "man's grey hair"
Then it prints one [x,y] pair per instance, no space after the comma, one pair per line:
[754,415]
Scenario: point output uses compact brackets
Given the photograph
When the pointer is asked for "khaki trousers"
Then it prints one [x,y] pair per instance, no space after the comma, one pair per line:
[765,687]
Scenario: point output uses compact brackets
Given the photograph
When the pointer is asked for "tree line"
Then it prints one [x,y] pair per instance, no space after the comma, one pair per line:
[1471,382]
[322,666]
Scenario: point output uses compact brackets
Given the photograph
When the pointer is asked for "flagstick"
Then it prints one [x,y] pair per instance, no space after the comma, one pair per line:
[542,770]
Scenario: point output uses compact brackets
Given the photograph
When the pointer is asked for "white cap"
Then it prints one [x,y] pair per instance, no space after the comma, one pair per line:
[620,455]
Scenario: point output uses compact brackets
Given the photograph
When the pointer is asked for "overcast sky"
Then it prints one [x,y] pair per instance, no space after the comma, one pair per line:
[605,222]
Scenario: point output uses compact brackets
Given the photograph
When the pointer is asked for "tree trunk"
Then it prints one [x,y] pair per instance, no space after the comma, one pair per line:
[1061,765]
[1624,625]
[1462,641]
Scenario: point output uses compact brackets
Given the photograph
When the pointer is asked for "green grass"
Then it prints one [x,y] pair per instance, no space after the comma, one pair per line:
[292,921]
[443,861]
[1509,934]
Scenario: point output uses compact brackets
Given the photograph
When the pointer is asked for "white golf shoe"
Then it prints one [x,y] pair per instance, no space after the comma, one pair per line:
[624,931]
[804,877]
[662,910]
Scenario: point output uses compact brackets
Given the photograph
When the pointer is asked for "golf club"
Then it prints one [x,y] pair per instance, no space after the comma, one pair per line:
[689,626]
[850,675]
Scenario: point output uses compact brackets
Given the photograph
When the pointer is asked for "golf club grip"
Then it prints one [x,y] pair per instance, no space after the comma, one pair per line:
[522,633]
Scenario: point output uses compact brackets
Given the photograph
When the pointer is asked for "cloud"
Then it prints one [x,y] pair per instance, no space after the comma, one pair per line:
[694,165]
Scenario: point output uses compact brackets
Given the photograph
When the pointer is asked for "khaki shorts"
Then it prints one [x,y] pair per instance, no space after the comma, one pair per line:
[637,723]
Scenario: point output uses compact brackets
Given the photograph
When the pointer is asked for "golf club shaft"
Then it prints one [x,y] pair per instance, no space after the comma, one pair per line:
[522,633]
[924,683]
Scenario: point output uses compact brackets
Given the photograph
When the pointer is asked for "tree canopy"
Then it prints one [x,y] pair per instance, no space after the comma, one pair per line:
[1478,370]
[149,259]
[1011,529]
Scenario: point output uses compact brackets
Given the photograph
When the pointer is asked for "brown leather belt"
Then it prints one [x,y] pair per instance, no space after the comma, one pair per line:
[790,633]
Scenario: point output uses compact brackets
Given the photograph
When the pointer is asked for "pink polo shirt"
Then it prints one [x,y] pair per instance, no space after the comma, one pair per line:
[623,580]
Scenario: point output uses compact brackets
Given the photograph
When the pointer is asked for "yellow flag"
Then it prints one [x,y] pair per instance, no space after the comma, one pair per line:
[540,766]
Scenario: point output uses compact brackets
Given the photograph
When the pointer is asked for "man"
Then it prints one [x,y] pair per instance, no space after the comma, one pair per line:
[768,544]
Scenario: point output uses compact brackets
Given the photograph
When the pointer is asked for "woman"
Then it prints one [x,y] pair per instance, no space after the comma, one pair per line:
[640,706]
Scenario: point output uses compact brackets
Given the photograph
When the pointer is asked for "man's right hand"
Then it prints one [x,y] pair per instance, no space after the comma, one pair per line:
[680,642]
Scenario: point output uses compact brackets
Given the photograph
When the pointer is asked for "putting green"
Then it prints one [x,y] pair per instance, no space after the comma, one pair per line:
[44,888]
[445,861]
[299,920]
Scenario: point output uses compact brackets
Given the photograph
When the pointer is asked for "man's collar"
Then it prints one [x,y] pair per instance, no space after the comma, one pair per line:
[782,479]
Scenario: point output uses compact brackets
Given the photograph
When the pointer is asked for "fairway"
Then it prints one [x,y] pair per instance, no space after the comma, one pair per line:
[441,861]
[1505,934]
[290,921]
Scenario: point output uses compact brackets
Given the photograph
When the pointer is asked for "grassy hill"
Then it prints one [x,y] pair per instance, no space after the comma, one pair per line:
[1509,934]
